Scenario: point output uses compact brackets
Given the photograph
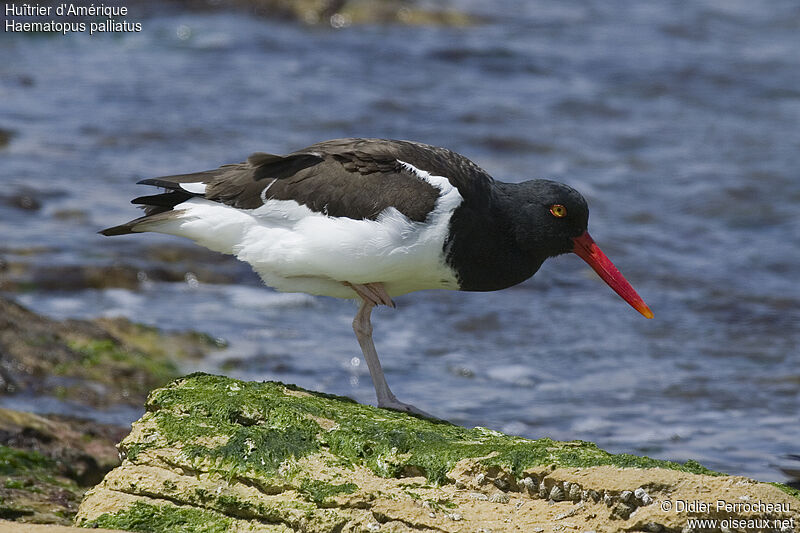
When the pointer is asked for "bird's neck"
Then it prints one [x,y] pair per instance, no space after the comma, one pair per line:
[482,247]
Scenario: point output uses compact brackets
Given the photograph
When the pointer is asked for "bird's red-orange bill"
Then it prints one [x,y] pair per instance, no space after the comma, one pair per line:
[587,250]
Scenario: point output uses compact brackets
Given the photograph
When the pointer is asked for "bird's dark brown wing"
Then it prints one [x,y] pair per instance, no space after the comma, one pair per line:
[378,155]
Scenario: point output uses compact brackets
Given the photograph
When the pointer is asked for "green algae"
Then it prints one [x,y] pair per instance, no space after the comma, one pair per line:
[27,484]
[260,447]
[32,485]
[262,426]
[280,515]
[321,492]
[162,518]
[791,491]
[439,504]
[97,356]
[20,462]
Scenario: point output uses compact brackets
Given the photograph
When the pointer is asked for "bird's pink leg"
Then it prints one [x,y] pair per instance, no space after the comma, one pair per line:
[362,326]
[380,292]
[372,292]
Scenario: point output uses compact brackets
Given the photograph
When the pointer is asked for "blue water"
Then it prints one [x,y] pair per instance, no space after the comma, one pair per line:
[678,122]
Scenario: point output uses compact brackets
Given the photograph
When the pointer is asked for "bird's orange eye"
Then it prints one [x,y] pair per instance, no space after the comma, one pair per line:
[558,210]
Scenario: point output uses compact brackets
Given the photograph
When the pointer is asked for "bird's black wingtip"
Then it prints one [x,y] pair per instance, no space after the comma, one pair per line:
[123,229]
[158,182]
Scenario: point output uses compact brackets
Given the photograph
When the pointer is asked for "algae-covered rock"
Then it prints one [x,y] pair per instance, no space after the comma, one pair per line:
[47,463]
[217,454]
[336,13]
[97,362]
[82,450]
[33,490]
[339,13]
[30,488]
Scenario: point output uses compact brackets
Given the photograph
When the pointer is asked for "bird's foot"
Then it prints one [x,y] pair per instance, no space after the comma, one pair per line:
[396,405]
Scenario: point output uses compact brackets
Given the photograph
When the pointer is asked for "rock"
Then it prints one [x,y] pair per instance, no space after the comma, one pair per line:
[7,526]
[790,465]
[23,276]
[340,13]
[623,510]
[127,268]
[99,362]
[31,492]
[82,450]
[48,463]
[5,137]
[23,198]
[229,455]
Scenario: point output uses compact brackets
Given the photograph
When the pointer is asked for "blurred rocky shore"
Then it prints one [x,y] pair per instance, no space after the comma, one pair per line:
[48,461]
[336,13]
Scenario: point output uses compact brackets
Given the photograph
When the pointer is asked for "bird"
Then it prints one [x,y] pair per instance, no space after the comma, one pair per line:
[373,219]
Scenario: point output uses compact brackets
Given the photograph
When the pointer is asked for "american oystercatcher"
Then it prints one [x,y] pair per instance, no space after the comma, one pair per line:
[371,219]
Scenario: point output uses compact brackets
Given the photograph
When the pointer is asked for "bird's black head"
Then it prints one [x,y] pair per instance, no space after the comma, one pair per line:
[547,217]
